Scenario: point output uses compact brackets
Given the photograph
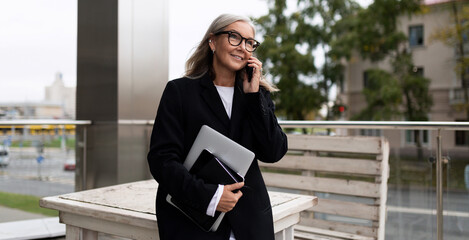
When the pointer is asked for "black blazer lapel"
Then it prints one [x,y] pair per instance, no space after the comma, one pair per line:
[213,100]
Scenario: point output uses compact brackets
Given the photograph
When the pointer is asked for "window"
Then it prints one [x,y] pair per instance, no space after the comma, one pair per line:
[461,137]
[465,81]
[416,36]
[418,71]
[411,136]
[366,80]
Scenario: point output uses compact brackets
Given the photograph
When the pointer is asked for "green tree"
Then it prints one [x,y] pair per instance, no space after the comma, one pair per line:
[328,13]
[402,92]
[455,35]
[373,33]
[286,64]
[383,96]
[415,89]
[287,52]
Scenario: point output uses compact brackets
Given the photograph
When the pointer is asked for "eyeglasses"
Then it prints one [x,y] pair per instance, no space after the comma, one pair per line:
[235,39]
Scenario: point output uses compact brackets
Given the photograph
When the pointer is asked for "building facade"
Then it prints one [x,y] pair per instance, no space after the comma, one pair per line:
[65,96]
[436,61]
[59,103]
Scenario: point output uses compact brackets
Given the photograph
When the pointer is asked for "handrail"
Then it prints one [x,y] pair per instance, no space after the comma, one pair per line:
[378,125]
[24,122]
[284,123]
[421,125]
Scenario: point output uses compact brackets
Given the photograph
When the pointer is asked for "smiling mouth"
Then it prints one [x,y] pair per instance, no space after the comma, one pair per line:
[237,57]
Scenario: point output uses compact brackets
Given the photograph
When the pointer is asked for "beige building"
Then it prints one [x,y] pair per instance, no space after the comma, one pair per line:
[60,94]
[59,103]
[436,62]
[31,110]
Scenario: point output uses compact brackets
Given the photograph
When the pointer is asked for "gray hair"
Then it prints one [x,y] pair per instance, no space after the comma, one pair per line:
[200,62]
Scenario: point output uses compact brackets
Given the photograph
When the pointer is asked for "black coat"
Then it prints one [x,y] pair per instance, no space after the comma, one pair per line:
[185,106]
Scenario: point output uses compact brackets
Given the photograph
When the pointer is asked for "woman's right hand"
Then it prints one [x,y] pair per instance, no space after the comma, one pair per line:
[229,199]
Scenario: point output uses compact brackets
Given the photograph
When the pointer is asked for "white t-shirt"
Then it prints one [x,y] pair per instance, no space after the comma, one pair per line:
[226,95]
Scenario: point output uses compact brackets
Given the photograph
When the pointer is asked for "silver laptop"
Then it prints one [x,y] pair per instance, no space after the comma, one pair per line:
[228,151]
[235,156]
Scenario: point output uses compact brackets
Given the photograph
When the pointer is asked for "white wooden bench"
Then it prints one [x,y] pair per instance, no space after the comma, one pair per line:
[348,174]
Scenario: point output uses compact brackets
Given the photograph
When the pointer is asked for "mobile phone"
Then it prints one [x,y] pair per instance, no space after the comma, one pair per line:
[249,71]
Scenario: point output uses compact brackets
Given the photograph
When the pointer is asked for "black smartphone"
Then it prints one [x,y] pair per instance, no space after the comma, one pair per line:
[249,71]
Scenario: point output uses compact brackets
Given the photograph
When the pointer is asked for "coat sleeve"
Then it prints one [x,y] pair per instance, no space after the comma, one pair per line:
[166,154]
[271,142]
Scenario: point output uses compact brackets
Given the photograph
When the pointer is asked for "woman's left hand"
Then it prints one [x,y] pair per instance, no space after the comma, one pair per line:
[253,85]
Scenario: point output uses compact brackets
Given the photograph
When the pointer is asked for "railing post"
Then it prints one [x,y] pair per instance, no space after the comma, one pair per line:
[83,180]
[439,188]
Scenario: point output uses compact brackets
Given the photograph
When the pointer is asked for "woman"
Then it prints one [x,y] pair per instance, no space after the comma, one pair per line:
[216,92]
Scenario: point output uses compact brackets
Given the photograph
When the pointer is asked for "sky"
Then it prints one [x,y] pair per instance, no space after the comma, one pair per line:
[38,39]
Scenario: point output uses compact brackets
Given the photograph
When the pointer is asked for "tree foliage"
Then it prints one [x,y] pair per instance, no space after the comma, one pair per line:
[415,88]
[287,52]
[383,96]
[330,12]
[339,27]
[373,33]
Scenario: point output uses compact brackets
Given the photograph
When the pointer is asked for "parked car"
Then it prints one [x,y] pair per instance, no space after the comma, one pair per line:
[69,165]
[4,156]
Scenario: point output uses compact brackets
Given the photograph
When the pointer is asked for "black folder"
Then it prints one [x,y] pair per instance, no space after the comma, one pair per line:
[211,170]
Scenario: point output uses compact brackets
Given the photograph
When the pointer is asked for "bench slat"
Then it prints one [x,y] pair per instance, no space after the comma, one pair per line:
[325,232]
[311,236]
[347,209]
[335,144]
[327,185]
[341,227]
[328,164]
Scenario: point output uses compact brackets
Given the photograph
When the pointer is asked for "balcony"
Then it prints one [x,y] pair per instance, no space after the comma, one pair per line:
[428,186]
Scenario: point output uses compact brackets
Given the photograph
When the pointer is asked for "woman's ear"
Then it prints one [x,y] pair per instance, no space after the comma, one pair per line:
[211,42]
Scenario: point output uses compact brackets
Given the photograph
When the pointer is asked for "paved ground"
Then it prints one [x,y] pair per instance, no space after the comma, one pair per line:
[15,215]
[10,214]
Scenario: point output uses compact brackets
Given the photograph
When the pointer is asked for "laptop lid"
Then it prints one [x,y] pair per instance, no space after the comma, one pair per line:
[228,151]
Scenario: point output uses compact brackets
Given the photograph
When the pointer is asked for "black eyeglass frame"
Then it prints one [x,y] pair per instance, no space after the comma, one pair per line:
[255,46]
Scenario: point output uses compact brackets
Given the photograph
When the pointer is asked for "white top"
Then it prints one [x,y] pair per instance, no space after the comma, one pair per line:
[226,95]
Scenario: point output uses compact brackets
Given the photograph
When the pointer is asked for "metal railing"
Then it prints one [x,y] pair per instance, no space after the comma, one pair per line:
[56,122]
[397,125]
[402,125]
[24,122]
[394,125]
